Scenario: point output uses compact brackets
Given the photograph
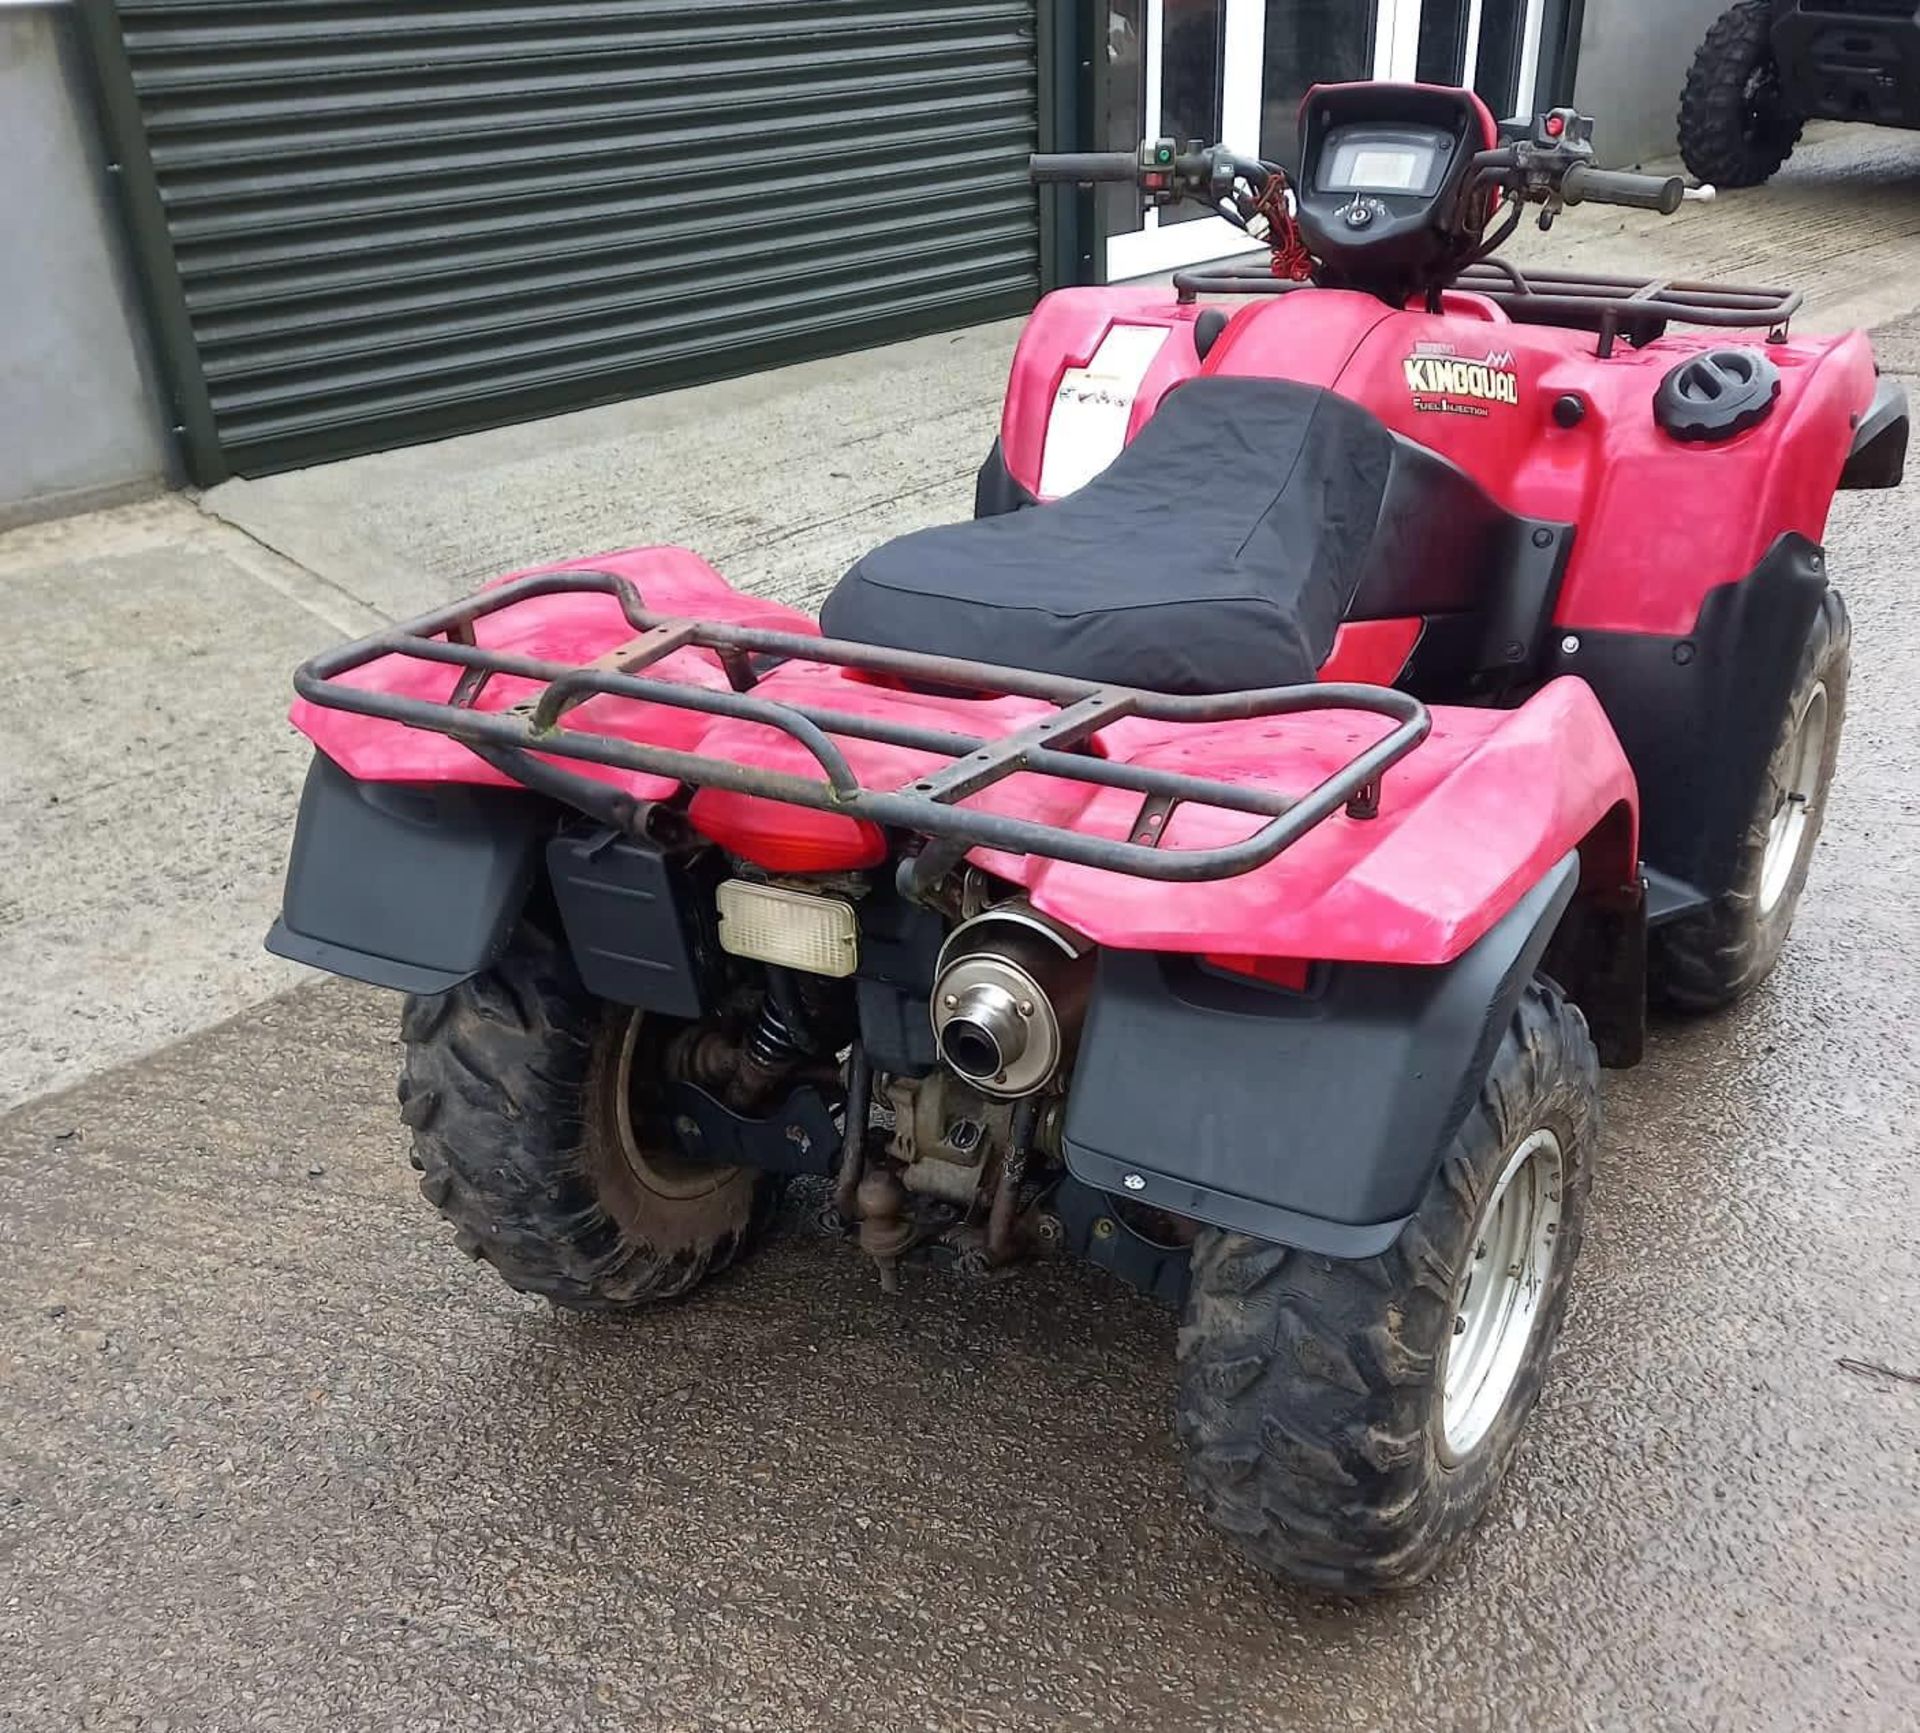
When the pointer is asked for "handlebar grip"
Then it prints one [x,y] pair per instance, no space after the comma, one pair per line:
[1084,167]
[1605,186]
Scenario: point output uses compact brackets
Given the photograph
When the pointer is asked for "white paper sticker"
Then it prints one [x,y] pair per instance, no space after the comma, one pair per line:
[1088,427]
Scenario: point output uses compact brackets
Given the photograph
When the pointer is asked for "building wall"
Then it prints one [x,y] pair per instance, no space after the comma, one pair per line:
[79,423]
[1634,56]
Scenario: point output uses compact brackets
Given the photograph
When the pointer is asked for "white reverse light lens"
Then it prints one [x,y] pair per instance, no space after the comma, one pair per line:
[772,925]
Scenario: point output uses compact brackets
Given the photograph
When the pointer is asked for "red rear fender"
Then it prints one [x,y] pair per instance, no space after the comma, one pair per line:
[566,629]
[1467,826]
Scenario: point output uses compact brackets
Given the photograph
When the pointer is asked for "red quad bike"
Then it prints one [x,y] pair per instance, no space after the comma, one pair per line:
[1228,859]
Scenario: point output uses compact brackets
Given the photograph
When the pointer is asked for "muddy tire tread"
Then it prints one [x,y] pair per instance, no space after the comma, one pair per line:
[1714,140]
[1305,1402]
[495,1087]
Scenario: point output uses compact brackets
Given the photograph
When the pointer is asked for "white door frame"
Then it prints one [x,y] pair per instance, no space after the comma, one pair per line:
[1530,33]
[1243,41]
[1153,248]
[1396,41]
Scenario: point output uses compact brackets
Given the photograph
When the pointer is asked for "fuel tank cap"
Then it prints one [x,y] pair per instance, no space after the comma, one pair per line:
[1717,395]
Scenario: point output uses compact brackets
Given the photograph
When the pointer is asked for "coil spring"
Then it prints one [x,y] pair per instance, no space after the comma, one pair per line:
[776,1041]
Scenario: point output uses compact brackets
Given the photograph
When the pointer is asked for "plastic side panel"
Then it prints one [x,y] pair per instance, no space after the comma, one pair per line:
[1698,716]
[1660,523]
[1668,523]
[573,628]
[1314,1120]
[1065,332]
[1371,652]
[415,889]
[1467,825]
[1309,337]
[629,921]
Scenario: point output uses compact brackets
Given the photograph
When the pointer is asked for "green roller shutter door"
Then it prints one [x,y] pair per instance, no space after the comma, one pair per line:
[363,225]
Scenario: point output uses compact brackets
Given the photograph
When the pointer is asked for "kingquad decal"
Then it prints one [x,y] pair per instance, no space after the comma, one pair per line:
[1446,383]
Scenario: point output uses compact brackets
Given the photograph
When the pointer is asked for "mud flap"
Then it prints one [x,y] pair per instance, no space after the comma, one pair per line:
[1310,1119]
[1878,458]
[1697,716]
[410,887]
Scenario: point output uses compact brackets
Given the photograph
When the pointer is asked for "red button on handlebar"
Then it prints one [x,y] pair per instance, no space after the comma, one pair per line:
[1556,125]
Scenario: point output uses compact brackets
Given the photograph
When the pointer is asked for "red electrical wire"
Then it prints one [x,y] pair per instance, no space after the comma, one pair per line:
[1291,260]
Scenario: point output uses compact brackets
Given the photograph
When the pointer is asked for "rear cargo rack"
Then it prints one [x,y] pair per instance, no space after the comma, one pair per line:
[518,741]
[1611,306]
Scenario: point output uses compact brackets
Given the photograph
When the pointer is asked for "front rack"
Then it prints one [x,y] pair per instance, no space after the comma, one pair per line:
[519,741]
[1609,305]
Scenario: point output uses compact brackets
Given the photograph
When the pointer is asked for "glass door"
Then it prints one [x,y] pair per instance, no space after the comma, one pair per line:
[1235,71]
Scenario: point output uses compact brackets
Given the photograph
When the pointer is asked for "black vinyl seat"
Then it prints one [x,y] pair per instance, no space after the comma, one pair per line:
[1218,553]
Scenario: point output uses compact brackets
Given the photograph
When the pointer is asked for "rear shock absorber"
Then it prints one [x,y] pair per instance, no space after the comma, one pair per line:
[774,1047]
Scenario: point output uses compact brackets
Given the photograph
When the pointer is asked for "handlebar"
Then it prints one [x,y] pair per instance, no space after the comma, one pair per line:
[1084,167]
[1600,186]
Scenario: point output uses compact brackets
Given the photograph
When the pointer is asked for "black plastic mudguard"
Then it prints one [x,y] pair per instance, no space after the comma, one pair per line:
[1697,716]
[1878,458]
[631,921]
[1312,1119]
[406,886]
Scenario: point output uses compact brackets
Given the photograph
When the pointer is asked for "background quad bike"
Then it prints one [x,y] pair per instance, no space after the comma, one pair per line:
[1767,67]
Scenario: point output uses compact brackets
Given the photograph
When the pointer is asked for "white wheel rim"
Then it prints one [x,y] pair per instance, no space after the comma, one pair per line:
[1791,823]
[1497,1303]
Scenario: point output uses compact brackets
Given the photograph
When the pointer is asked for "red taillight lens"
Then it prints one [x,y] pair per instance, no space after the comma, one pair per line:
[1292,973]
[783,838]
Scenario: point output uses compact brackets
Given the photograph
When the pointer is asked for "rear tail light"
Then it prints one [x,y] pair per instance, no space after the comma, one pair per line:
[772,924]
[785,838]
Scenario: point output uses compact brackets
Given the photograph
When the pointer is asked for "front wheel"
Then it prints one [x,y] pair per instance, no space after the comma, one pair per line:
[1347,1423]
[1708,960]
[539,1133]
[1737,123]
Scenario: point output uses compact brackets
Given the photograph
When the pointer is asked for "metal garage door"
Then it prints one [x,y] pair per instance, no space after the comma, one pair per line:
[362,224]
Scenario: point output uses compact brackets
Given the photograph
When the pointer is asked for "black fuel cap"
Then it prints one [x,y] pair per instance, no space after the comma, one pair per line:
[1717,395]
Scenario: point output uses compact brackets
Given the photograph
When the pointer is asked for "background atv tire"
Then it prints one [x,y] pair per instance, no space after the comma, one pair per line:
[1706,961]
[1312,1391]
[1737,124]
[531,1130]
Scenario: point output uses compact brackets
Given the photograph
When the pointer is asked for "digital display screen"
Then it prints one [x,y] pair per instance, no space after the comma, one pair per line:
[1378,160]
[1383,171]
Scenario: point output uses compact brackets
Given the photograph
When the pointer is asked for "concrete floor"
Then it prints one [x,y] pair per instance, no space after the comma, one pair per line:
[272,1455]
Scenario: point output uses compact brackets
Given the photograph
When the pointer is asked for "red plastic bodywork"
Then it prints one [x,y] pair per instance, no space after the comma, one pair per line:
[1660,523]
[1467,824]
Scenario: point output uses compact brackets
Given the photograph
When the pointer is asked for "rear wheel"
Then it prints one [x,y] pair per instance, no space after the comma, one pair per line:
[539,1133]
[1737,124]
[1708,960]
[1347,1423]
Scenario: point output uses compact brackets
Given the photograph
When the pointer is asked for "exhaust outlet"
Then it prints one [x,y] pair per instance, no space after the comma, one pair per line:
[1009,996]
[986,1033]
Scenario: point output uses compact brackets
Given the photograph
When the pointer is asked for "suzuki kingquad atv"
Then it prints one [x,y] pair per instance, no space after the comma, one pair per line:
[1227,859]
[1768,67]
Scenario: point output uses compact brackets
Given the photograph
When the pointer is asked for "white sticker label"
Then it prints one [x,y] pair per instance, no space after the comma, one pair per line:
[1088,427]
